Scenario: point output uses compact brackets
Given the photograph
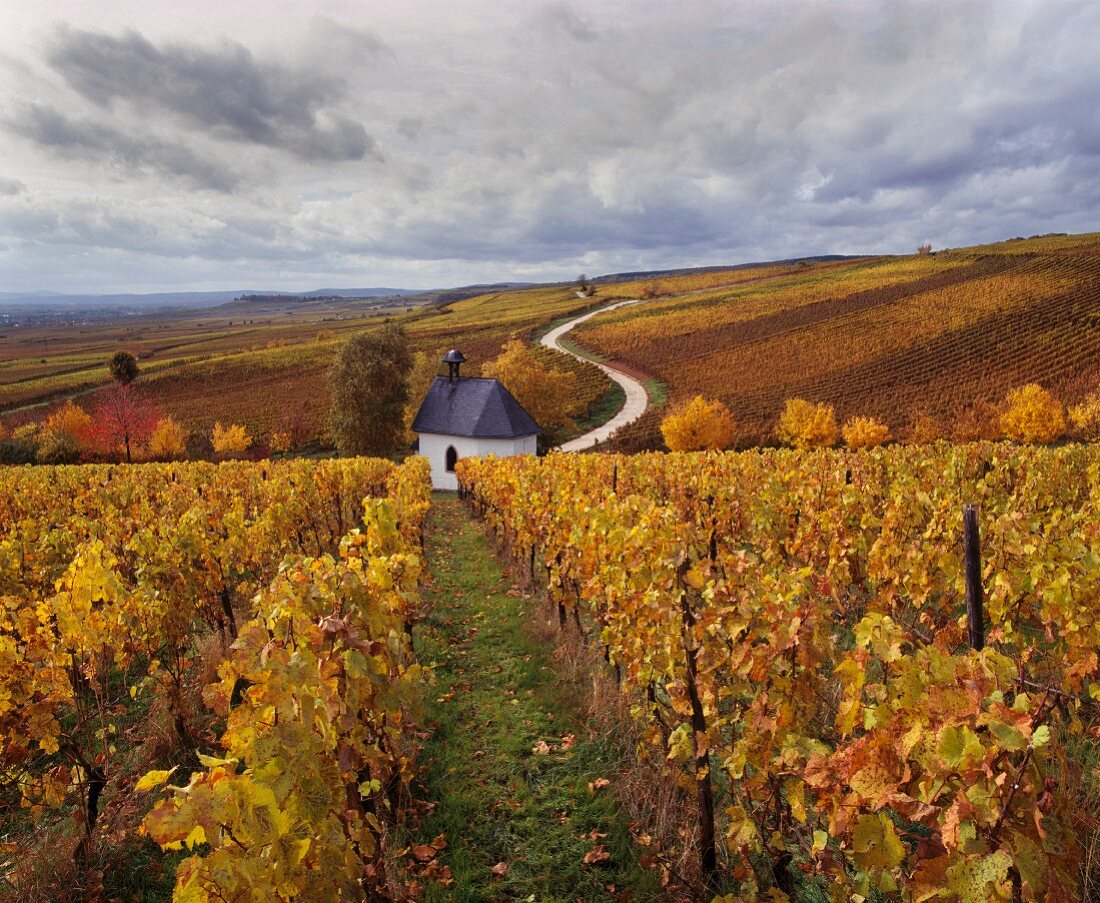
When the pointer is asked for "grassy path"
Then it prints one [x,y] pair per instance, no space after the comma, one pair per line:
[497,699]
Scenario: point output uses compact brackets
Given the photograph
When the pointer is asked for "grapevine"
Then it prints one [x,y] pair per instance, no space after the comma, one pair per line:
[795,622]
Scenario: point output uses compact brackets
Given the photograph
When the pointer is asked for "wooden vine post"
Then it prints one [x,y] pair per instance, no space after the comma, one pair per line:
[975,628]
[972,558]
[708,850]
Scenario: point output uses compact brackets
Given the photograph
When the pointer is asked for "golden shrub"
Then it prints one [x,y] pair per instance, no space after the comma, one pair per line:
[230,440]
[167,442]
[865,432]
[1086,417]
[425,369]
[548,395]
[279,442]
[698,425]
[806,425]
[70,419]
[65,436]
[27,433]
[1033,415]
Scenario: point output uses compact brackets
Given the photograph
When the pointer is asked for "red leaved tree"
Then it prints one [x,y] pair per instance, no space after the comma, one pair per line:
[124,419]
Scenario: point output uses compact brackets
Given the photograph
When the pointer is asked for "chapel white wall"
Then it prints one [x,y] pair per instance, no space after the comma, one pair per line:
[433,446]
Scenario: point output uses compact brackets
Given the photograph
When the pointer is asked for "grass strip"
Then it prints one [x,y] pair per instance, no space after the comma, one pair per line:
[501,797]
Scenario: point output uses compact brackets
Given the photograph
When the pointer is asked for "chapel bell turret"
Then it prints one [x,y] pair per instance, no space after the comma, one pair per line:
[453,359]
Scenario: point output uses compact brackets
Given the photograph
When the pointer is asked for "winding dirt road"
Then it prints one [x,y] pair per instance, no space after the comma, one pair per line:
[637,399]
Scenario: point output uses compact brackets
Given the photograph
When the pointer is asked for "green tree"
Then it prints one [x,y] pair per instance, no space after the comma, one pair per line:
[123,367]
[369,390]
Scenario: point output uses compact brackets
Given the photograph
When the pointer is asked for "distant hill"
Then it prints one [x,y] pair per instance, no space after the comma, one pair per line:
[176,300]
[695,271]
[44,302]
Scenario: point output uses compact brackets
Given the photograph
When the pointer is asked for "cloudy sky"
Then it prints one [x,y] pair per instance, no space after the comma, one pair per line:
[152,145]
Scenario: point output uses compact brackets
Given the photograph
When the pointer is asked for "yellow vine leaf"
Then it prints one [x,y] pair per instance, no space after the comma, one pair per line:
[152,779]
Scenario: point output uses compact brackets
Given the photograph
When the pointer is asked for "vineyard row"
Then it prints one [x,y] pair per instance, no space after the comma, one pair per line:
[237,631]
[790,630]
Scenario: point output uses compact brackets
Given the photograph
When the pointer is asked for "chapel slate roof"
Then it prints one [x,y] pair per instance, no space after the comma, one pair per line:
[472,406]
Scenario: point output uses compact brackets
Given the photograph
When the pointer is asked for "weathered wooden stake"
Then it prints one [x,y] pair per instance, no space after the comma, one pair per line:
[708,847]
[972,556]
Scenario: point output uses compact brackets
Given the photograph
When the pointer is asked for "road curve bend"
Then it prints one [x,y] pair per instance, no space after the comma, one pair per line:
[637,399]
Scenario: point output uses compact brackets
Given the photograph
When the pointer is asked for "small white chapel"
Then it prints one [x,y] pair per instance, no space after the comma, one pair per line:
[466,417]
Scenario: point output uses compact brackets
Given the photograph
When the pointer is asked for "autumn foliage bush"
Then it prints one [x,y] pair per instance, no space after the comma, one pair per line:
[865,432]
[1086,417]
[65,435]
[168,441]
[279,442]
[230,440]
[1032,414]
[804,424]
[546,393]
[698,425]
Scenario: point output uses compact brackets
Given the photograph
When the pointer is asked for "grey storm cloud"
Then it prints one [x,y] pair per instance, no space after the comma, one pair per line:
[223,89]
[438,143]
[87,139]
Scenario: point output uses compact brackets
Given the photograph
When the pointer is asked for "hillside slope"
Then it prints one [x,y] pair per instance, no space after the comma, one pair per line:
[931,339]
[265,369]
[936,338]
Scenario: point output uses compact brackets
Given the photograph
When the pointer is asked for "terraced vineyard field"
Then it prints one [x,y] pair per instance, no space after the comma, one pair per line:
[936,338]
[941,336]
[241,364]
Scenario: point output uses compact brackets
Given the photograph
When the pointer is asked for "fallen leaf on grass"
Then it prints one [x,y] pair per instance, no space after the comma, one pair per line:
[567,741]
[541,748]
[599,854]
[597,785]
[499,870]
[441,874]
[423,852]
